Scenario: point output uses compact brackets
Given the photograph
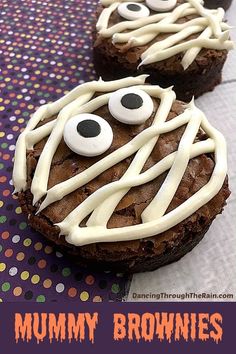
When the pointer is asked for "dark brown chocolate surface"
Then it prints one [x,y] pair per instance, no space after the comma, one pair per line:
[214,4]
[138,255]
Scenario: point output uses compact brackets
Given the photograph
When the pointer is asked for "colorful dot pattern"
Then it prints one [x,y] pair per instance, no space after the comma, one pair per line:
[45,50]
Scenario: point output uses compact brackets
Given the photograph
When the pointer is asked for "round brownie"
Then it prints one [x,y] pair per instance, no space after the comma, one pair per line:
[114,58]
[213,4]
[134,255]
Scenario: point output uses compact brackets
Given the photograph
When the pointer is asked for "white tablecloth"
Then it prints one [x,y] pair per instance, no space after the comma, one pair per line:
[211,266]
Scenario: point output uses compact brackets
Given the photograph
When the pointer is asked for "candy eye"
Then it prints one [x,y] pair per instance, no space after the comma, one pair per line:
[88,135]
[161,5]
[130,106]
[133,11]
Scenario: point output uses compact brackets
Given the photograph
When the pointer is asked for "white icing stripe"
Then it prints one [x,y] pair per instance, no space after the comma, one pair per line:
[142,31]
[19,168]
[102,214]
[215,25]
[175,38]
[36,135]
[163,198]
[157,27]
[192,53]
[164,18]
[41,174]
[198,42]
[102,203]
[117,28]
[105,15]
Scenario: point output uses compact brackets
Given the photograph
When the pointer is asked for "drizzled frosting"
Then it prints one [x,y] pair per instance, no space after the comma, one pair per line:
[101,204]
[212,32]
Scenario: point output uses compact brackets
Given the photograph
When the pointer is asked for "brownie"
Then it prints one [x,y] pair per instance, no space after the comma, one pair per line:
[213,4]
[131,256]
[117,60]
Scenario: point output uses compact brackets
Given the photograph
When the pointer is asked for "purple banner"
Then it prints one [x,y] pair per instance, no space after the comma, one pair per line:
[115,327]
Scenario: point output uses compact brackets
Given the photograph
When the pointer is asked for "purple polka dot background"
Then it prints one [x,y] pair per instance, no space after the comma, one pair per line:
[45,51]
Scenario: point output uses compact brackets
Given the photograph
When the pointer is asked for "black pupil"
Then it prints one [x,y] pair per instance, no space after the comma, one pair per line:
[132,101]
[133,7]
[88,128]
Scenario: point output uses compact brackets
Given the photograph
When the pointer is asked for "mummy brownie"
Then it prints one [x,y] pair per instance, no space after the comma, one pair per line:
[176,42]
[121,175]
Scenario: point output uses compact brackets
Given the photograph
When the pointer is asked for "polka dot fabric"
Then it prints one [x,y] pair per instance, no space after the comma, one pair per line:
[45,50]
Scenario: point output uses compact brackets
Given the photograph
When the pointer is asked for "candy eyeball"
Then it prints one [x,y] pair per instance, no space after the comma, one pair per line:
[161,5]
[88,135]
[130,105]
[133,11]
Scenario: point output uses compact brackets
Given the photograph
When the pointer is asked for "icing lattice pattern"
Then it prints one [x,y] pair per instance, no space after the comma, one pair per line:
[212,32]
[101,204]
